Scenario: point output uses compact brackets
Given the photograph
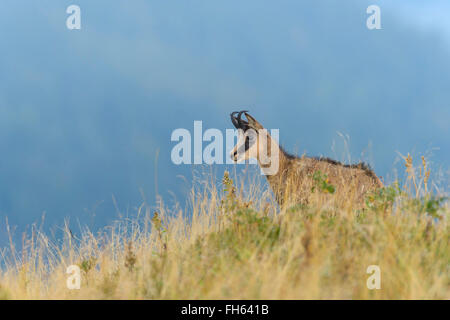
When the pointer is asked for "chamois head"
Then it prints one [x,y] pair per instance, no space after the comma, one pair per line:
[253,139]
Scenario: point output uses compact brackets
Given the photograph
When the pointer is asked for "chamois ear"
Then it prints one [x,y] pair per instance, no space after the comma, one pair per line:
[252,123]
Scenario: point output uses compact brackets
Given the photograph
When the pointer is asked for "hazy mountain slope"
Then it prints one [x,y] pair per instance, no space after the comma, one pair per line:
[83,113]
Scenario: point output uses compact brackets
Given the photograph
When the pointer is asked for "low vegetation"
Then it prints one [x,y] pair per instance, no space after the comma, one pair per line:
[233,242]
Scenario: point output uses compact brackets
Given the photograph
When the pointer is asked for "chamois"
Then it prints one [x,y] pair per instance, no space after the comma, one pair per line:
[297,178]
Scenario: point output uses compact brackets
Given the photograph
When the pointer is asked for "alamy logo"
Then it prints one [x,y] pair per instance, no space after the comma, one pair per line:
[74,20]
[74,280]
[374,20]
[240,146]
[374,281]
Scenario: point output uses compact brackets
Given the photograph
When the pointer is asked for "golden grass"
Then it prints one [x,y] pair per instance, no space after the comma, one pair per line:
[231,244]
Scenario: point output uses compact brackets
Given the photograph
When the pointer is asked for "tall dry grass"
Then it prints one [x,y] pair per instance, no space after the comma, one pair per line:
[233,242]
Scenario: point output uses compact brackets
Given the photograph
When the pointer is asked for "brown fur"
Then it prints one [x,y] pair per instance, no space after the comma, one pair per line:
[293,184]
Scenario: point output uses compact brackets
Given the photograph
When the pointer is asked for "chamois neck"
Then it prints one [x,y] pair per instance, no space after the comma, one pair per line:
[278,161]
[278,179]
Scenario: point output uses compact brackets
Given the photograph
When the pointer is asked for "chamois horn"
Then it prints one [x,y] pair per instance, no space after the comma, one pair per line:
[238,122]
[234,120]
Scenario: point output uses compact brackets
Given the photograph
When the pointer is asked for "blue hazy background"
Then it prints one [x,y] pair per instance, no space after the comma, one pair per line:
[86,115]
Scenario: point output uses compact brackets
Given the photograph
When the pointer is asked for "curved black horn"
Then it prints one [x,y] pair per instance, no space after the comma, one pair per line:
[242,123]
[234,120]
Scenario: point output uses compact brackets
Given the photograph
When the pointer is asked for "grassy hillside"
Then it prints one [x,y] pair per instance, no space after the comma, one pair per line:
[234,242]
[83,114]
